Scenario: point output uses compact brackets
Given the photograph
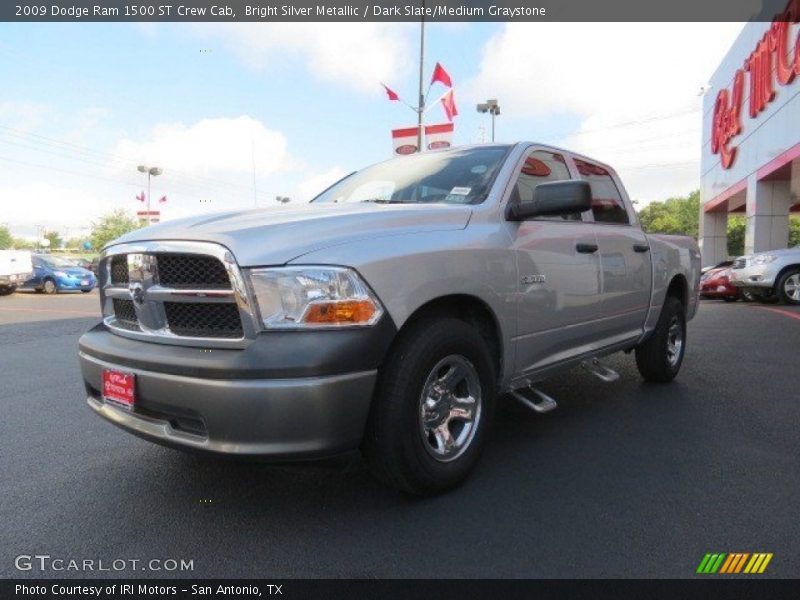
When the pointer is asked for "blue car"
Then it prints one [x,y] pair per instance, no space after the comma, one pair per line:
[52,274]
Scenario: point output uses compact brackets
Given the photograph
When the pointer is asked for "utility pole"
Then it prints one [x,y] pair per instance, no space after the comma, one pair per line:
[151,172]
[421,105]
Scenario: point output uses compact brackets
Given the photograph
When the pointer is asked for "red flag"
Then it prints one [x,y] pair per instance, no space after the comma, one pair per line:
[392,95]
[162,199]
[449,105]
[140,197]
[440,75]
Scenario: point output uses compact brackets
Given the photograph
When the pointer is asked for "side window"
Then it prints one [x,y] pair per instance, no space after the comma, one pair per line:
[541,167]
[607,203]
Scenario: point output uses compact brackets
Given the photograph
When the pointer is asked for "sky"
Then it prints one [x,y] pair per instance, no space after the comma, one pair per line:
[237,114]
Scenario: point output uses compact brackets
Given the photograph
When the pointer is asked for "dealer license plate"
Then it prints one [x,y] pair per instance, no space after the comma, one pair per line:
[119,388]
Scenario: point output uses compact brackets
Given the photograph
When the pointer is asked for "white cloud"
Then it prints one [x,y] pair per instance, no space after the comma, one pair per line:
[314,184]
[210,146]
[358,55]
[610,74]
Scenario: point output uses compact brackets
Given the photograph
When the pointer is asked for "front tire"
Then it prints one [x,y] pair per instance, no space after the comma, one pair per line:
[659,358]
[789,287]
[432,407]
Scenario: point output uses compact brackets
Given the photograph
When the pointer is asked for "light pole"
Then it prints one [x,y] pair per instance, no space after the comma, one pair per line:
[151,172]
[493,108]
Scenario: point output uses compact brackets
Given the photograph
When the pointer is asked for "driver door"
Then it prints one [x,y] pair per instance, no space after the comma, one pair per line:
[558,271]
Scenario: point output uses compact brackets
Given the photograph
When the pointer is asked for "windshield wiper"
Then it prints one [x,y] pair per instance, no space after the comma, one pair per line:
[384,201]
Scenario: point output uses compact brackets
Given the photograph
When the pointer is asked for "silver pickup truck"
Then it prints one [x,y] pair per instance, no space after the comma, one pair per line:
[388,314]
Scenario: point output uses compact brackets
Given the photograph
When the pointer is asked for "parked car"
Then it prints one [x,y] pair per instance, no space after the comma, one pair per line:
[15,268]
[83,263]
[770,276]
[715,284]
[720,265]
[52,274]
[388,314]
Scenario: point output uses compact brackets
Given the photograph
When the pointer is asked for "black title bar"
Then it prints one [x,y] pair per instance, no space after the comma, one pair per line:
[391,10]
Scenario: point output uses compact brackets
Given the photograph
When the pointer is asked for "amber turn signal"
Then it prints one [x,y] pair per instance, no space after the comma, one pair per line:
[342,312]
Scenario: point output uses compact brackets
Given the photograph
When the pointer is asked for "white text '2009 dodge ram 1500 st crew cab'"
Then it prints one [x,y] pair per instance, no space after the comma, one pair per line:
[388,314]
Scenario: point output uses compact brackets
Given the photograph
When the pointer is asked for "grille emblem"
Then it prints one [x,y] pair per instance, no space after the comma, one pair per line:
[137,293]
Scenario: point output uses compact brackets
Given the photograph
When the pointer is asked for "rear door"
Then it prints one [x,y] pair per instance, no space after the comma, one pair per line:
[558,270]
[625,269]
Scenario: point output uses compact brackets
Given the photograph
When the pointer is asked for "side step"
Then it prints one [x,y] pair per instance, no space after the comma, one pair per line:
[541,404]
[599,370]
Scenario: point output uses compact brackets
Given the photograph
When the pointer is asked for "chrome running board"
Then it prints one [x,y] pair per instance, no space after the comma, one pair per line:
[541,404]
[599,370]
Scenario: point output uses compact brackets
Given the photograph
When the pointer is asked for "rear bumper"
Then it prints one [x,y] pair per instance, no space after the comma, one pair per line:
[284,419]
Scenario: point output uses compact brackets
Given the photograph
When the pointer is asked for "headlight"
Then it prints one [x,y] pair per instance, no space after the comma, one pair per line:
[313,297]
[763,259]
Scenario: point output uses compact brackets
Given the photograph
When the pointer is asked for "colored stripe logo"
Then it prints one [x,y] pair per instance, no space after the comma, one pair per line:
[733,563]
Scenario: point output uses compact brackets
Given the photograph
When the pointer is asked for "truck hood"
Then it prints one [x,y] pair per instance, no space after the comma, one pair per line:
[274,236]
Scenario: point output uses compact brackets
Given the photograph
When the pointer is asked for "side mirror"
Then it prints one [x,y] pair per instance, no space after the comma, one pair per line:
[554,198]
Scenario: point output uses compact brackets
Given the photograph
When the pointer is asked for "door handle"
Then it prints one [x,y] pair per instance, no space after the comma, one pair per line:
[641,247]
[586,248]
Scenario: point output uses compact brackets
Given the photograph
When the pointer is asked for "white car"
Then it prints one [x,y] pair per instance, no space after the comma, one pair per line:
[15,269]
[768,275]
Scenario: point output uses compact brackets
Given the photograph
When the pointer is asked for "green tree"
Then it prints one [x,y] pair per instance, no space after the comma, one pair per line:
[679,215]
[55,239]
[794,231]
[736,230]
[109,227]
[6,241]
[23,244]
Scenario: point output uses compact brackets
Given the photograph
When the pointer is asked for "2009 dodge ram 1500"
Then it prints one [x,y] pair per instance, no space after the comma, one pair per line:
[386,315]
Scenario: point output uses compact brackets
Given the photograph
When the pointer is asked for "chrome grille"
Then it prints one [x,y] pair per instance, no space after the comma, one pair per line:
[187,270]
[740,263]
[194,319]
[125,311]
[119,269]
[186,293]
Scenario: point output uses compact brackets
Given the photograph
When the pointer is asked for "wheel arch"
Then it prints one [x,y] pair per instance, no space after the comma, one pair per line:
[784,270]
[471,310]
[679,288]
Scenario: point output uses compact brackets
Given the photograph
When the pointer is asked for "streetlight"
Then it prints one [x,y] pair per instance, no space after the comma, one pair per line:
[493,108]
[151,172]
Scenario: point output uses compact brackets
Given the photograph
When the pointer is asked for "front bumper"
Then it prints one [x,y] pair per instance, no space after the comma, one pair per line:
[70,283]
[755,276]
[301,418]
[287,396]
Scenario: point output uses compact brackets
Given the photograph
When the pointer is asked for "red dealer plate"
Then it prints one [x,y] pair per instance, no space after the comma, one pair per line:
[118,388]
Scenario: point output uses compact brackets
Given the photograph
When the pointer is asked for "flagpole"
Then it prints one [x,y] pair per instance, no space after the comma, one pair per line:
[421,107]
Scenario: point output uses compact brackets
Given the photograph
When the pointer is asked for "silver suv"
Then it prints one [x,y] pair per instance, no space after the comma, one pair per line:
[772,275]
[388,314]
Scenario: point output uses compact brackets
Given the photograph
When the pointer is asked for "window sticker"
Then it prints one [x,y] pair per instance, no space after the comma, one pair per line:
[460,191]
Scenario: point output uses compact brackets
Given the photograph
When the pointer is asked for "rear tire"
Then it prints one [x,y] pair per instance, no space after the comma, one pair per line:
[788,287]
[659,358]
[49,287]
[730,298]
[432,407]
[748,296]
[7,291]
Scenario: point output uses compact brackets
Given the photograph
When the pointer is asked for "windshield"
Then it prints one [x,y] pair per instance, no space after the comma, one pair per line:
[461,176]
[55,261]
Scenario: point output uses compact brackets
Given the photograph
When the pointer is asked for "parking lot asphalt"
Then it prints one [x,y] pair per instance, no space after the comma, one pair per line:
[622,480]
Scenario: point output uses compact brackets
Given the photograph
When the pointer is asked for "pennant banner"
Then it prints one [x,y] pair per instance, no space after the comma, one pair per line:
[439,136]
[404,141]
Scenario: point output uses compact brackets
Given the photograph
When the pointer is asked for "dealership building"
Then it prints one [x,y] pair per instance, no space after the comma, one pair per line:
[751,138]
